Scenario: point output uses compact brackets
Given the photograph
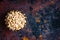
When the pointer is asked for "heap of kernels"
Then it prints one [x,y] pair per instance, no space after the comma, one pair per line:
[15,20]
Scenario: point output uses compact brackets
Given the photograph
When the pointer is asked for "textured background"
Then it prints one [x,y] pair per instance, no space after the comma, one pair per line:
[48,9]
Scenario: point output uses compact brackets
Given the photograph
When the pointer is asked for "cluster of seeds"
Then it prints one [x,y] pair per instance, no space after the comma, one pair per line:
[15,20]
